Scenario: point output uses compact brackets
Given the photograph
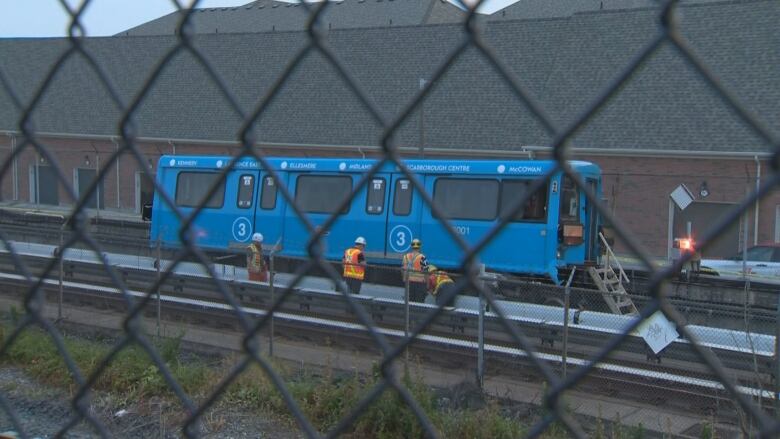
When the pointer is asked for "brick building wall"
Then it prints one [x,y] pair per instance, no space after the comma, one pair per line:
[638,189]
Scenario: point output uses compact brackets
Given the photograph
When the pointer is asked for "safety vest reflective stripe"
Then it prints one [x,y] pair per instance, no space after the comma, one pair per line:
[351,267]
[441,279]
[412,265]
[256,262]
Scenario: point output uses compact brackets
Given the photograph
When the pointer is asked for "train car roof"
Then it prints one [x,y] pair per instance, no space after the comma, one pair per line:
[347,165]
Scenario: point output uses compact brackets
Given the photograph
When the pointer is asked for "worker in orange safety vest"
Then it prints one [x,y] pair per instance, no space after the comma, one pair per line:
[255,262]
[355,265]
[440,285]
[414,268]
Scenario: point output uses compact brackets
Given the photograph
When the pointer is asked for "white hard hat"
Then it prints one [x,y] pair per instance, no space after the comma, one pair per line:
[360,240]
[257,237]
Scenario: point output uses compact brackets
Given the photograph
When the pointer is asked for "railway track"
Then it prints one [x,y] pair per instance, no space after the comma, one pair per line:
[129,235]
[316,313]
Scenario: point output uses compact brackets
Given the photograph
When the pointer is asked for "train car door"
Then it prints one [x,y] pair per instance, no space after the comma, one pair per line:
[269,213]
[403,217]
[592,243]
[521,246]
[318,195]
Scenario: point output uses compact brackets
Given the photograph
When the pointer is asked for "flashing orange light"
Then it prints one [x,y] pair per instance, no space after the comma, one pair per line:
[685,244]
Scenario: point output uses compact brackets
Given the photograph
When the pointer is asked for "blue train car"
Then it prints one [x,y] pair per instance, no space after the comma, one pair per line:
[556,228]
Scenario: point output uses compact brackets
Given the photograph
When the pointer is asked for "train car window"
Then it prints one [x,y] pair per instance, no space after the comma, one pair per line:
[192,186]
[535,206]
[466,199]
[402,203]
[570,200]
[246,188]
[375,201]
[322,193]
[268,195]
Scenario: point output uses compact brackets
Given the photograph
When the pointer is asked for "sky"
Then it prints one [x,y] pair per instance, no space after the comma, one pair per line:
[47,18]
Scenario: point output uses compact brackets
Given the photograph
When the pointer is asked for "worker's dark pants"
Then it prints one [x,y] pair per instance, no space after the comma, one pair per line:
[353,284]
[417,291]
[442,297]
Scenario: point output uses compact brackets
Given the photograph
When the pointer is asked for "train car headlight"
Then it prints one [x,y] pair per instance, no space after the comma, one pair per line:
[572,234]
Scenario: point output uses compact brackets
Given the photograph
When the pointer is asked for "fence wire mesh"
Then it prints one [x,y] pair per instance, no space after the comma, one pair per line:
[538,339]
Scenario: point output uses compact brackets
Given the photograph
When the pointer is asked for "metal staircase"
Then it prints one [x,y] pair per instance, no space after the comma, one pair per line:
[611,283]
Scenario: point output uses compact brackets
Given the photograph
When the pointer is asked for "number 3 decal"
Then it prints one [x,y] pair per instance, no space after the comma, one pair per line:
[241,228]
[399,238]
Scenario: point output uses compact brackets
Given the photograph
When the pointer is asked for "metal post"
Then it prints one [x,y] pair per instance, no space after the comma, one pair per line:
[566,302]
[688,266]
[422,122]
[61,254]
[481,332]
[159,264]
[273,300]
[777,358]
[38,179]
[271,276]
[15,168]
[744,242]
[670,237]
[406,307]
[97,188]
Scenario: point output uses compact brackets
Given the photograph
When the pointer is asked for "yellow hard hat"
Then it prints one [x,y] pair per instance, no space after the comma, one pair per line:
[432,268]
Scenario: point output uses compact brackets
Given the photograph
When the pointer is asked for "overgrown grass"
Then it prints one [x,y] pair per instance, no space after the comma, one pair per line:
[130,373]
[327,398]
[324,397]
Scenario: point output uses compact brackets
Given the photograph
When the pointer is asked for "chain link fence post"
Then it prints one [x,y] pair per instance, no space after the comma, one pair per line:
[406,308]
[777,357]
[62,256]
[481,331]
[158,264]
[566,304]
[272,288]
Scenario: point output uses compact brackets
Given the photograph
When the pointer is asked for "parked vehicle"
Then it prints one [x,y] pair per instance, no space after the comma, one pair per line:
[557,228]
[762,261]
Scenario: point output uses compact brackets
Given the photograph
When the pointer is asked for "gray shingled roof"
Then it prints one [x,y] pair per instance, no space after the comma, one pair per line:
[564,62]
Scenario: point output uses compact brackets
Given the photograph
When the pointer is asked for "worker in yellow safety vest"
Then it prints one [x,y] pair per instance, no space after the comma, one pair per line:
[255,262]
[414,268]
[355,265]
[440,285]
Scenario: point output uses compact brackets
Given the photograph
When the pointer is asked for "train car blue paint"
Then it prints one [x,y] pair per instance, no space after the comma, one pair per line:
[387,211]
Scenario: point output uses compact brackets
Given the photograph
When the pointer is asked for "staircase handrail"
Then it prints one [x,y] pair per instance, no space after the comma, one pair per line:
[622,272]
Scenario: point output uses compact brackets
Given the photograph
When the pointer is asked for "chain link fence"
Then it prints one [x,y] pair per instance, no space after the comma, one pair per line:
[567,341]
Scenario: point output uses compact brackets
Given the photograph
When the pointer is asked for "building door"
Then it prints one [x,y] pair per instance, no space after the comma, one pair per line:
[44,185]
[144,191]
[84,179]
